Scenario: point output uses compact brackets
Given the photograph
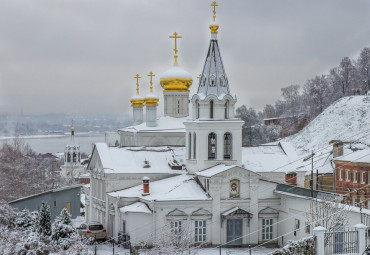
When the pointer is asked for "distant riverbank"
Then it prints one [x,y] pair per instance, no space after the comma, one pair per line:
[56,143]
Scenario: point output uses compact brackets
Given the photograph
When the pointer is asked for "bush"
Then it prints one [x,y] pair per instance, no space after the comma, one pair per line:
[305,246]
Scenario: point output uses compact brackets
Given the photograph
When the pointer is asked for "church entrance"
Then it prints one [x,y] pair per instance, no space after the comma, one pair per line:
[234,231]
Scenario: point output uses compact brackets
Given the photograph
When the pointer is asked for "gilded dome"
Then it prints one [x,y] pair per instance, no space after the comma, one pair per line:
[176,79]
[137,101]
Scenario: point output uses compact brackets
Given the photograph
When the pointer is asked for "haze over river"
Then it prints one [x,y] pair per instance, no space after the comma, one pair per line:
[57,143]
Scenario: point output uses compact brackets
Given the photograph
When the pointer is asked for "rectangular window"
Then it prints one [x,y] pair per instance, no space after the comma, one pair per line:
[176,227]
[69,207]
[348,177]
[363,177]
[341,174]
[55,203]
[297,224]
[267,229]
[200,231]
[207,185]
[308,227]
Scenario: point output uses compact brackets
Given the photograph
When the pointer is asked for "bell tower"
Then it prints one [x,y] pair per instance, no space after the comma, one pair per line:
[214,136]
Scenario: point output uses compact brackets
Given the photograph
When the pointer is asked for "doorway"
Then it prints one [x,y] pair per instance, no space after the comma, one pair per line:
[234,231]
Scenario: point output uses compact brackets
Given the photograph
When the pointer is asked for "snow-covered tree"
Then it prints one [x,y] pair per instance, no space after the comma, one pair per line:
[22,167]
[332,215]
[44,221]
[363,69]
[26,219]
[7,215]
[172,240]
[62,226]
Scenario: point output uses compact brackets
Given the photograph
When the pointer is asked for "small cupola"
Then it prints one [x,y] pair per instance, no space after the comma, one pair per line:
[146,186]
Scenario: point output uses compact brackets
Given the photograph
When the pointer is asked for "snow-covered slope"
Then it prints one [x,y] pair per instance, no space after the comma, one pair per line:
[348,119]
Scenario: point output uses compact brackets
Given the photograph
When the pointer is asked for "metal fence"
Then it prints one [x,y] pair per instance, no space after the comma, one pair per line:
[341,242]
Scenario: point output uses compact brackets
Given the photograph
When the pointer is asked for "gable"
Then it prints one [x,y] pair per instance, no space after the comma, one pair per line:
[268,212]
[201,212]
[223,170]
[176,212]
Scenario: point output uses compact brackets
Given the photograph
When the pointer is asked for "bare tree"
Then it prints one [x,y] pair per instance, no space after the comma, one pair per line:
[332,215]
[174,240]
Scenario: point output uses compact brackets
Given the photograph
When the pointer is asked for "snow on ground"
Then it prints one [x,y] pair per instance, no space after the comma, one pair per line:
[348,119]
[107,249]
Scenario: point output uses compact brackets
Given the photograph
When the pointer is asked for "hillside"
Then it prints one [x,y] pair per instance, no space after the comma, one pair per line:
[347,119]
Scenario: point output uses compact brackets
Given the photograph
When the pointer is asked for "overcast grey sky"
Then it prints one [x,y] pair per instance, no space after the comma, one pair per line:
[80,56]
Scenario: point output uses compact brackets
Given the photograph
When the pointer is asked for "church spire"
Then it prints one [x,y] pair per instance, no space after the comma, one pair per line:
[213,79]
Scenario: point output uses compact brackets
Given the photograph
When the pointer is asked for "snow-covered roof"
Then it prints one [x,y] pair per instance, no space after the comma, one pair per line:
[214,170]
[362,156]
[137,97]
[151,95]
[139,159]
[164,124]
[138,207]
[323,158]
[348,119]
[181,187]
[280,157]
[176,72]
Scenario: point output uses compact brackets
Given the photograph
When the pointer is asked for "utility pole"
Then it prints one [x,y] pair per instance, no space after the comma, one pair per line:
[311,185]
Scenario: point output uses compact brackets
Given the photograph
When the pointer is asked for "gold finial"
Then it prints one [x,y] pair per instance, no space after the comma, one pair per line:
[151,81]
[175,36]
[137,77]
[214,4]
[199,76]
[72,129]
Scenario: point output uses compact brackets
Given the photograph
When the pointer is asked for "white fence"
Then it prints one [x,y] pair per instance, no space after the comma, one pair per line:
[352,242]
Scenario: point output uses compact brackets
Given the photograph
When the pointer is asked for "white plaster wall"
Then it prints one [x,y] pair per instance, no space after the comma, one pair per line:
[171,100]
[202,130]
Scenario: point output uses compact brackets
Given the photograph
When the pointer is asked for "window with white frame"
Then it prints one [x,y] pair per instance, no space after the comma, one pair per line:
[267,230]
[348,176]
[176,226]
[308,227]
[363,177]
[207,185]
[341,176]
[355,177]
[200,231]
[297,224]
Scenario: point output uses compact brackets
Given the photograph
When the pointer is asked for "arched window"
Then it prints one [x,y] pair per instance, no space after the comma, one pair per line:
[212,142]
[189,146]
[195,146]
[197,109]
[211,109]
[178,106]
[228,146]
[227,109]
[68,157]
[74,157]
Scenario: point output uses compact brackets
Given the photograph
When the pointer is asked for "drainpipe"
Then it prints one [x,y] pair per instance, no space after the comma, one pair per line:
[153,221]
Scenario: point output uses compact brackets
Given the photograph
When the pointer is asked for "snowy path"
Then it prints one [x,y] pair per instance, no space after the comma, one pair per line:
[106,249]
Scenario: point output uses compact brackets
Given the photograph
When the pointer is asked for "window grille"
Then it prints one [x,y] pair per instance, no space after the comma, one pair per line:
[267,229]
[227,146]
[200,231]
[212,141]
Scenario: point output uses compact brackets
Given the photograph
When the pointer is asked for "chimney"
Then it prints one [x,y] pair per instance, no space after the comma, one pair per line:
[337,148]
[145,186]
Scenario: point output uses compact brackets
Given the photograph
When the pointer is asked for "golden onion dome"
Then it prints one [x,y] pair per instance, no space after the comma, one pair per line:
[176,79]
[151,99]
[137,101]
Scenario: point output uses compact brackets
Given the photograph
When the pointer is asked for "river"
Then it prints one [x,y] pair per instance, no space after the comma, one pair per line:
[56,143]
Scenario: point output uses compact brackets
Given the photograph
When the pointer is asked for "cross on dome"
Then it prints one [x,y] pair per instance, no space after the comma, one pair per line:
[214,4]
[151,81]
[137,77]
[175,36]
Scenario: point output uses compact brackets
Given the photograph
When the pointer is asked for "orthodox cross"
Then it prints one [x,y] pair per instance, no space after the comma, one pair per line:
[151,81]
[137,77]
[175,36]
[214,4]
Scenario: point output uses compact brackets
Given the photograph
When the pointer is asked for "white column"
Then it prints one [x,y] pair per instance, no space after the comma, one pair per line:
[319,233]
[151,116]
[138,115]
[361,228]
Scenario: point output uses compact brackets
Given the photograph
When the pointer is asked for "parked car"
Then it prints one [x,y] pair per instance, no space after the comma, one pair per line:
[93,230]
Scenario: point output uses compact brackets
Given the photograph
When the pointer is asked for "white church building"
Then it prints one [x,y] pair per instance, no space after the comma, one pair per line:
[192,170]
